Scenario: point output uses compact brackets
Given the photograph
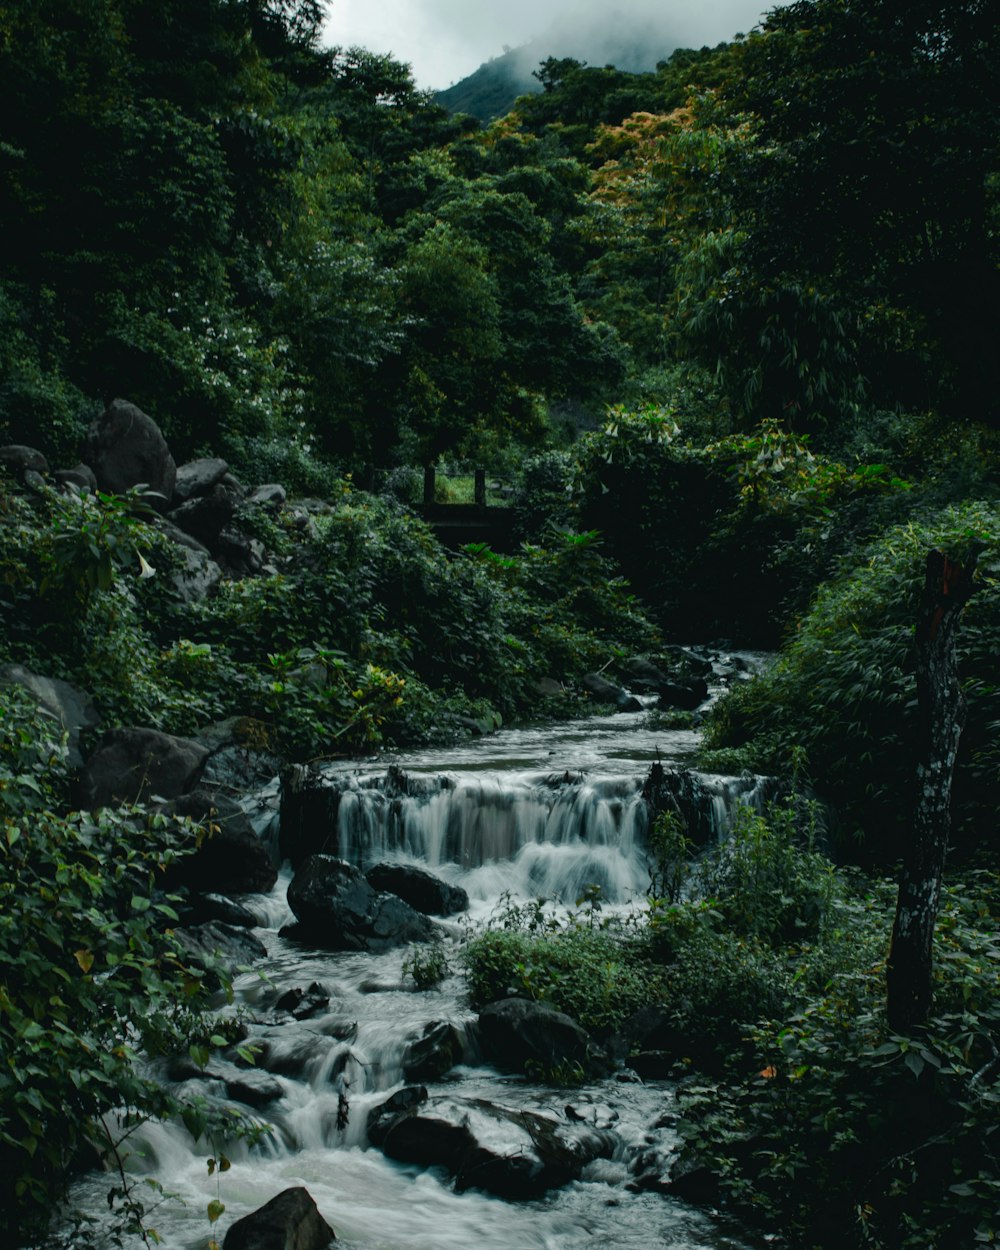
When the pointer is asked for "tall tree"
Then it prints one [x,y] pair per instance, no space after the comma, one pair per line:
[941,704]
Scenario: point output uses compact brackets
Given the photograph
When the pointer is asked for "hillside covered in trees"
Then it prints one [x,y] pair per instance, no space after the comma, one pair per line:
[728,324]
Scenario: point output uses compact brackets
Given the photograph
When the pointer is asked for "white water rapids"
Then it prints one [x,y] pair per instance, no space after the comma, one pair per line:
[491,817]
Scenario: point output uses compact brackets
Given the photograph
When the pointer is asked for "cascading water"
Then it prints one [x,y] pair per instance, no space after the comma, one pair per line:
[532,815]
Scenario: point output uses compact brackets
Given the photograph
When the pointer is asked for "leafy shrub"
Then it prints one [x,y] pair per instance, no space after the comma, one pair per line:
[762,883]
[90,973]
[597,976]
[843,694]
[844,1135]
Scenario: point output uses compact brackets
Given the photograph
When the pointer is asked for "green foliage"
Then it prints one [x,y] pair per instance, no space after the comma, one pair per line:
[427,965]
[763,883]
[591,972]
[746,510]
[842,691]
[843,1134]
[91,974]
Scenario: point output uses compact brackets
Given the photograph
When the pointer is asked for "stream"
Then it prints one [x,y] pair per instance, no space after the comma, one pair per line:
[523,813]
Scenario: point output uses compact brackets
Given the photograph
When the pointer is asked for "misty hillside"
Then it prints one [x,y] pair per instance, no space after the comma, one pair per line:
[629,41]
[491,90]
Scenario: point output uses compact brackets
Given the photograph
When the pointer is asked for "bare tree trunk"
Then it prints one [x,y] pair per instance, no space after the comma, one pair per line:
[941,705]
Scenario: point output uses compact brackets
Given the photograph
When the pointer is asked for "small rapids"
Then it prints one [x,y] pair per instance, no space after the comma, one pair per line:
[522,816]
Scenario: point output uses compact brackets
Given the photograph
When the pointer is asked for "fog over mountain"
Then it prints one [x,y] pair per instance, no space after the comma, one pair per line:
[445,40]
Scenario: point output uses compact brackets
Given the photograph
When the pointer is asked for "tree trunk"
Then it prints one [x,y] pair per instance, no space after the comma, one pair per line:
[941,708]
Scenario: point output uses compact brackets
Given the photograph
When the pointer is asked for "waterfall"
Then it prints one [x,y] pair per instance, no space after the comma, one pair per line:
[543,834]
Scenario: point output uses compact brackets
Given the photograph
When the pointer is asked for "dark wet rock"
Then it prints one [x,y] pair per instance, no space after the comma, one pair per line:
[434,1052]
[234,486]
[598,1115]
[511,1153]
[337,909]
[219,947]
[653,1065]
[231,859]
[239,756]
[270,495]
[604,691]
[197,477]
[651,1028]
[679,690]
[70,708]
[381,1116]
[696,1183]
[18,459]
[133,765]
[291,1221]
[125,448]
[288,1053]
[81,477]
[238,554]
[195,577]
[179,536]
[255,1089]
[517,1034]
[421,889]
[205,516]
[201,908]
[304,1002]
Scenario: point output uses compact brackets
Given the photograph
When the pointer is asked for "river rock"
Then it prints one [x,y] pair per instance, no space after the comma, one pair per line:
[337,909]
[201,908]
[71,708]
[132,765]
[197,477]
[125,448]
[239,756]
[421,889]
[231,859]
[516,1033]
[686,692]
[218,947]
[304,1002]
[255,1089]
[291,1221]
[429,1055]
[511,1153]
[604,691]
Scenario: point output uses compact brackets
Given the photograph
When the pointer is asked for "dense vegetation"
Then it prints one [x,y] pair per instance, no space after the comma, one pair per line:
[732,320]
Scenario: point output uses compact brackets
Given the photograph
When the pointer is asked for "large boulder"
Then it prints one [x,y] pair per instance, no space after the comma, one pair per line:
[195,577]
[337,909]
[511,1153]
[71,708]
[231,859]
[291,1221]
[133,765]
[205,516]
[125,448]
[18,459]
[517,1034]
[197,477]
[421,889]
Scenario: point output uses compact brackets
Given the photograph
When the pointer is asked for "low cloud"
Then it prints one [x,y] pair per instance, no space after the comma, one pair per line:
[444,40]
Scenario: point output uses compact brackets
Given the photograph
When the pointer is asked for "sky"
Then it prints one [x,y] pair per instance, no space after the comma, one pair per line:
[445,40]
